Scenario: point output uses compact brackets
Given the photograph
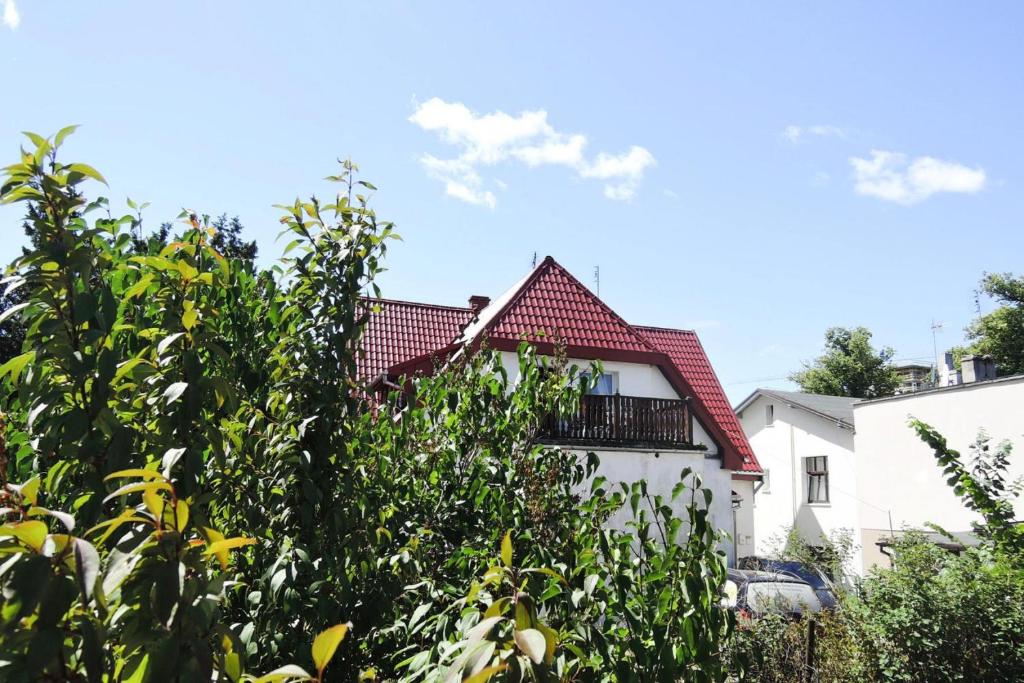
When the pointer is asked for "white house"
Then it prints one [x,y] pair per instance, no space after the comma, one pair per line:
[657,409]
[804,443]
[833,463]
[900,485]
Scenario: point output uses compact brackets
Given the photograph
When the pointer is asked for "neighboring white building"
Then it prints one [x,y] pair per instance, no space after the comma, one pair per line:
[658,407]
[804,443]
[833,463]
[900,485]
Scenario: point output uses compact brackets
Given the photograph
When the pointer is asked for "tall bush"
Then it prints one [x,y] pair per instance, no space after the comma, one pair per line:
[199,424]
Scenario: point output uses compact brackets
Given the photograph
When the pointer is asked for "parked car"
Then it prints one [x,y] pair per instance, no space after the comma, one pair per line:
[756,593]
[822,585]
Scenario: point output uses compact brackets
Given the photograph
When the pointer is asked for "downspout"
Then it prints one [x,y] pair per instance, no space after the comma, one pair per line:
[797,488]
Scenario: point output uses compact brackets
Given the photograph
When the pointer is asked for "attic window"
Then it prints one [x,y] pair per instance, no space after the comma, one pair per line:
[769,415]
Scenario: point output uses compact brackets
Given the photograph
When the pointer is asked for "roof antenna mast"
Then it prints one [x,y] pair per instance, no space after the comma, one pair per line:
[597,280]
[534,264]
[936,327]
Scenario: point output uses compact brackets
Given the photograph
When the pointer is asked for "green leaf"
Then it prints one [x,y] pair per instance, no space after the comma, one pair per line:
[544,570]
[136,472]
[12,310]
[30,490]
[58,139]
[133,488]
[16,365]
[289,672]
[532,644]
[506,549]
[31,533]
[87,566]
[67,520]
[174,392]
[139,287]
[87,171]
[480,631]
[326,644]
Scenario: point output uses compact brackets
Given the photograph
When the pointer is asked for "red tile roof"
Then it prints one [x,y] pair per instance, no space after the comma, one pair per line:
[402,330]
[687,354]
[552,306]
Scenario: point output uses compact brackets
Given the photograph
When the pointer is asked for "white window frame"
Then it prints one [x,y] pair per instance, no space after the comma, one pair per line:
[815,478]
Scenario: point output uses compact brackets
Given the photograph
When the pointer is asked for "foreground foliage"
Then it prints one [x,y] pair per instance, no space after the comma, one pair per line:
[235,491]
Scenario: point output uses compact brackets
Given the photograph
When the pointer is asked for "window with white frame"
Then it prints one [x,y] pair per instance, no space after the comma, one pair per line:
[817,479]
[607,384]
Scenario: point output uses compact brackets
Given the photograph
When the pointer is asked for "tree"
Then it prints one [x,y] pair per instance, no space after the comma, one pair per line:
[850,366]
[227,241]
[1000,333]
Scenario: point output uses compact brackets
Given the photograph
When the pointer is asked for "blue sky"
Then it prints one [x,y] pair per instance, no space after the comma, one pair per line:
[759,171]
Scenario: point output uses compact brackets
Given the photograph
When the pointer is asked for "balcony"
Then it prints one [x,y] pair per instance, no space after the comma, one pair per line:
[623,421]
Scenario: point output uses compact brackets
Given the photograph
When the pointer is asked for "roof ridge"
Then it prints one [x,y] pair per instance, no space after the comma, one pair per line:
[666,329]
[422,304]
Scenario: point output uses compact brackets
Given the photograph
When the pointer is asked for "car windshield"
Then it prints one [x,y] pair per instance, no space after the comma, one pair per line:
[783,597]
[798,570]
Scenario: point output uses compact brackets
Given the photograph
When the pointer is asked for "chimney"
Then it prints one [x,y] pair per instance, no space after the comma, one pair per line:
[977,368]
[478,302]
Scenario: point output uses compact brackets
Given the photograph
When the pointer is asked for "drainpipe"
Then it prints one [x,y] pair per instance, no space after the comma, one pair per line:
[797,488]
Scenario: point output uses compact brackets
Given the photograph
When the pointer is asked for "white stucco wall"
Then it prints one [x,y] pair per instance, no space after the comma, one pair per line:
[897,471]
[743,532]
[780,448]
[660,468]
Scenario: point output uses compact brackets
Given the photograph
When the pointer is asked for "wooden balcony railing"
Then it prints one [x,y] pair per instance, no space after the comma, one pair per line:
[622,421]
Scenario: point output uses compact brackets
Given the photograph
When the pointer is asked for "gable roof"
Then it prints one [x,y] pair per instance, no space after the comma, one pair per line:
[838,409]
[400,330]
[687,354]
[551,304]
[549,308]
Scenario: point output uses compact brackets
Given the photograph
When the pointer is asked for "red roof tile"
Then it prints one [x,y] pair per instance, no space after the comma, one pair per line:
[402,330]
[687,354]
[553,305]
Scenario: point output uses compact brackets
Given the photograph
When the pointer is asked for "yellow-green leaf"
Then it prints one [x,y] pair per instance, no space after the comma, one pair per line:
[14,366]
[506,549]
[220,546]
[181,512]
[326,644]
[144,474]
[31,533]
[141,486]
[484,675]
[189,318]
[88,171]
[289,672]
[30,490]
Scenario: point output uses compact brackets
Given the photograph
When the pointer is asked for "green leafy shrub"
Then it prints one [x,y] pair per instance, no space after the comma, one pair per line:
[227,398]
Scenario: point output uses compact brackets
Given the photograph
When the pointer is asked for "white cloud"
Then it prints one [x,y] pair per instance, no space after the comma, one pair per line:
[12,18]
[489,139]
[887,175]
[453,188]
[797,134]
[671,194]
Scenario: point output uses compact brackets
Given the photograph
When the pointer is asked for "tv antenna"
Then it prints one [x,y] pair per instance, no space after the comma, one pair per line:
[936,328]
[533,264]
[597,280]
